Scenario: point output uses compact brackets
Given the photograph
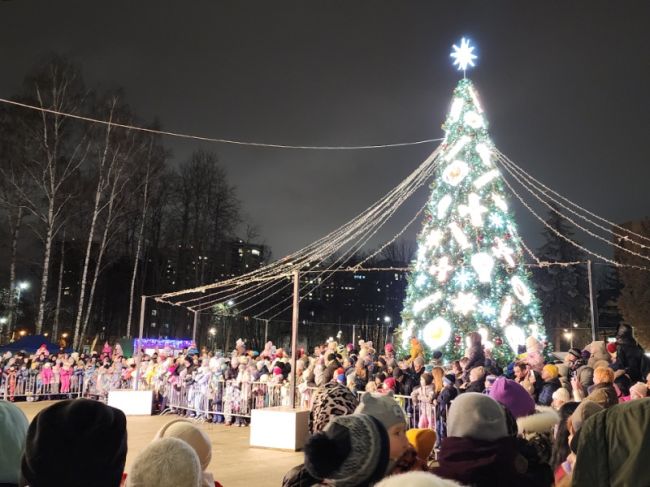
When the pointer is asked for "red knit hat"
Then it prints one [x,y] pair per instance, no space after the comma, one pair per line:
[611,347]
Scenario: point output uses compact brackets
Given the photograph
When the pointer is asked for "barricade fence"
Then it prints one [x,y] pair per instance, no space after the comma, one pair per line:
[219,401]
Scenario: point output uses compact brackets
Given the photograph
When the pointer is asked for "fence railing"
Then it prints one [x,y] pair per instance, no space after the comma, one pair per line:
[219,401]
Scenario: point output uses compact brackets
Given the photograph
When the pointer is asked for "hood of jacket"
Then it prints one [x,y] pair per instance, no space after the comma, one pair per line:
[542,421]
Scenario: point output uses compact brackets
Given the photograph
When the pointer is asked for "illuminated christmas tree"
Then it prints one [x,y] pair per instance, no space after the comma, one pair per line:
[469,274]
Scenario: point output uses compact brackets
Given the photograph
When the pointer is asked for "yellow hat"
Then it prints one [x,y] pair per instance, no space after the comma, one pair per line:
[552,370]
[423,440]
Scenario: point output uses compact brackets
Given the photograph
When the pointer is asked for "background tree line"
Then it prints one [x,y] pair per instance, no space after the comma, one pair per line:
[95,215]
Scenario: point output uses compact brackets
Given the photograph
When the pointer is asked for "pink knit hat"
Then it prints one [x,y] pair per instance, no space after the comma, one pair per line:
[513,396]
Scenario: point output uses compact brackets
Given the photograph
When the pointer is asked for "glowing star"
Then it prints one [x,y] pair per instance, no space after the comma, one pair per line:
[436,333]
[459,236]
[485,178]
[500,202]
[485,153]
[474,209]
[463,55]
[464,303]
[502,251]
[442,269]
[521,291]
[455,172]
[506,311]
[515,337]
[433,239]
[496,220]
[487,309]
[463,278]
[455,149]
[424,303]
[456,109]
[483,263]
[473,119]
[443,206]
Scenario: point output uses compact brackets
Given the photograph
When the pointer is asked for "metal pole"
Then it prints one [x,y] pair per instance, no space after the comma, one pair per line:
[266,331]
[594,318]
[196,321]
[294,337]
[354,336]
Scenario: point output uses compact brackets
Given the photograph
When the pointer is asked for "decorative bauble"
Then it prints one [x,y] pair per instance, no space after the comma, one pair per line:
[498,341]
[458,339]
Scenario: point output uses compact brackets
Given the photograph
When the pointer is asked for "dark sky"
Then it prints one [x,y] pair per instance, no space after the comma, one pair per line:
[564,84]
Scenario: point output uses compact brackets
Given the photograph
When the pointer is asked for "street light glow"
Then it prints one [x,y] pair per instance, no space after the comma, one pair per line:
[386,319]
[22,333]
[23,285]
[65,335]
[212,331]
[3,320]
[231,302]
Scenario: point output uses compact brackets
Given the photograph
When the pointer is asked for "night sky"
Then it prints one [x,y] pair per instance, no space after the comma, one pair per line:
[564,85]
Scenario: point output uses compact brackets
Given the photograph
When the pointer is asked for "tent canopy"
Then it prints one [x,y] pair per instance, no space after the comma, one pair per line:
[30,344]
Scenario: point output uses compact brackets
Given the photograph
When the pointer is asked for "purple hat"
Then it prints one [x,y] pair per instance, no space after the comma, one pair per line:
[513,396]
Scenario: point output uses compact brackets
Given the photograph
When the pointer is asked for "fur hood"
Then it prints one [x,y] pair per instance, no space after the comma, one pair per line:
[543,421]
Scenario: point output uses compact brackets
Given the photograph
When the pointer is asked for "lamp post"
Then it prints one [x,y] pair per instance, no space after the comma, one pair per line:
[569,336]
[19,288]
[387,320]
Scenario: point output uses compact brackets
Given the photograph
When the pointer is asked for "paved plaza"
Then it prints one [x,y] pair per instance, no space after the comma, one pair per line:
[234,463]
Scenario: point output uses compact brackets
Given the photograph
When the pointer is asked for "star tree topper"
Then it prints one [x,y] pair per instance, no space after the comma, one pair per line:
[463,55]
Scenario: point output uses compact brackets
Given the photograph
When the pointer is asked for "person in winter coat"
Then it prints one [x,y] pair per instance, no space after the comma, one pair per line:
[476,354]
[603,392]
[551,384]
[443,403]
[422,398]
[613,445]
[476,380]
[629,355]
[478,450]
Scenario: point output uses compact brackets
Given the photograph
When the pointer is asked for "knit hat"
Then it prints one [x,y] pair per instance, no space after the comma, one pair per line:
[352,450]
[611,347]
[639,390]
[382,407]
[423,440]
[168,462]
[477,416]
[513,396]
[196,438]
[277,371]
[419,360]
[561,394]
[13,430]
[551,370]
[449,379]
[330,400]
[388,347]
[76,424]
[416,479]
[575,352]
[389,383]
[584,410]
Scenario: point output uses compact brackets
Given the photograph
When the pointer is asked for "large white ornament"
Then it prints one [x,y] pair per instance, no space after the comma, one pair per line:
[483,263]
[474,209]
[502,251]
[463,55]
[455,149]
[487,309]
[521,290]
[459,236]
[455,172]
[425,302]
[433,239]
[421,280]
[456,109]
[442,269]
[473,119]
[485,153]
[486,178]
[436,333]
[464,303]
[515,336]
[506,311]
[443,206]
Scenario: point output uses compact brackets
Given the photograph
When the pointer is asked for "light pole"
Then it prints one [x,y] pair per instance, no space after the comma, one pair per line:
[387,320]
[212,331]
[569,336]
[20,287]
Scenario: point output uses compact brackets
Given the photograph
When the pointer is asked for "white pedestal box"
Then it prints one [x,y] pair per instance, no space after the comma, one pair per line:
[281,427]
[132,403]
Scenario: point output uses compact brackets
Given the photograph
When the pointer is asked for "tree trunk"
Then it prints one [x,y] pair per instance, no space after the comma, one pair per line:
[15,231]
[145,203]
[46,268]
[57,310]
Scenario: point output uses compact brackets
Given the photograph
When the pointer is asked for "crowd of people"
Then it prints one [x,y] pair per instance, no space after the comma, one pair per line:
[378,417]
